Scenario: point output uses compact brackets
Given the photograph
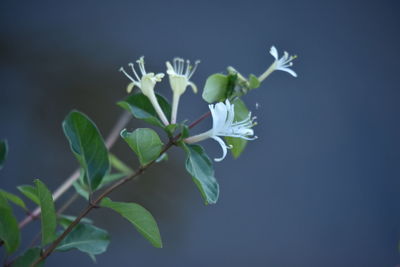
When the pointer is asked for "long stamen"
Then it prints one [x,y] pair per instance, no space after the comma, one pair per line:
[196,63]
[134,71]
[126,74]
[188,67]
[141,65]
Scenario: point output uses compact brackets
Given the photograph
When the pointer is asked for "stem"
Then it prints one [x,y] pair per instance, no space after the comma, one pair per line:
[109,190]
[110,141]
[205,115]
[267,72]
[175,104]
[156,105]
[95,204]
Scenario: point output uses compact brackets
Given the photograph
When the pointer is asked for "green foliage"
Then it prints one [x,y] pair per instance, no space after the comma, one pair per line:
[9,231]
[28,258]
[238,144]
[253,82]
[30,192]
[48,213]
[215,89]
[199,165]
[145,143]
[141,108]
[14,199]
[139,217]
[3,152]
[86,238]
[88,147]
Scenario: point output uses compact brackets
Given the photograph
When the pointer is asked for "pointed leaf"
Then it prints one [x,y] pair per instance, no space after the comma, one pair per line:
[141,108]
[199,165]
[3,152]
[215,89]
[14,199]
[28,258]
[48,213]
[238,144]
[142,219]
[145,143]
[88,146]
[9,231]
[86,238]
[30,192]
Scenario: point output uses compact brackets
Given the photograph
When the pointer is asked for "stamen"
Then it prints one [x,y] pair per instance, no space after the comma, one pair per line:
[134,71]
[197,62]
[141,65]
[188,67]
[126,74]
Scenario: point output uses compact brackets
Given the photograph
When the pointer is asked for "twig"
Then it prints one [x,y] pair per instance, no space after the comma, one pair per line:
[110,141]
[95,203]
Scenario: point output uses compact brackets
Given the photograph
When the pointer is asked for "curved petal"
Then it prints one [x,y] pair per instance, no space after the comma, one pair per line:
[289,71]
[194,87]
[223,146]
[130,87]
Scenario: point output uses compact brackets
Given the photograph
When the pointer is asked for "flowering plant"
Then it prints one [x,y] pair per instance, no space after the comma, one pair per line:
[101,173]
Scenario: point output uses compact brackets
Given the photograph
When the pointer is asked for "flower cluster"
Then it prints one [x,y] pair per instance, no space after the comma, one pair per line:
[223,113]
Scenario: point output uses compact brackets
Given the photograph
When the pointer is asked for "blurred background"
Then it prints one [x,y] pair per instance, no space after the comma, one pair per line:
[321,185]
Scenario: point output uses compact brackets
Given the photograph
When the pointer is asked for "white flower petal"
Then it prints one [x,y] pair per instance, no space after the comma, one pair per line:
[274,52]
[223,146]
[288,71]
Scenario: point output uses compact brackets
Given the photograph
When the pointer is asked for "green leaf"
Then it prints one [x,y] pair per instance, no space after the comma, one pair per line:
[139,217]
[14,199]
[253,82]
[30,192]
[141,108]
[66,220]
[145,143]
[3,152]
[48,213]
[199,165]
[117,164]
[86,238]
[28,258]
[215,89]
[88,146]
[238,144]
[9,231]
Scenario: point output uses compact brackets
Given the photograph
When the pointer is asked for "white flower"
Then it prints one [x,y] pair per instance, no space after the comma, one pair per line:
[179,76]
[223,125]
[148,80]
[179,79]
[284,62]
[146,84]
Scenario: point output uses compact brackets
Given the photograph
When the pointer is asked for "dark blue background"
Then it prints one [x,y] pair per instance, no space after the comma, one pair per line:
[321,185]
